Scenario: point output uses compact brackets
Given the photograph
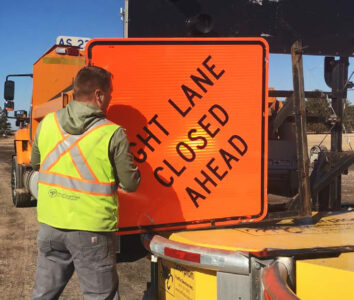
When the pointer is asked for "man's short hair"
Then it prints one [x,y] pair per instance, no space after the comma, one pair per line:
[88,79]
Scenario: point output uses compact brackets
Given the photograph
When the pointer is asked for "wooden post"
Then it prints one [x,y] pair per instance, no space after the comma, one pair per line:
[304,204]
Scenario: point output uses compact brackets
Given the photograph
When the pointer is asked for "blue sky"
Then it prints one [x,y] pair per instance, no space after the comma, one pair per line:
[29,28]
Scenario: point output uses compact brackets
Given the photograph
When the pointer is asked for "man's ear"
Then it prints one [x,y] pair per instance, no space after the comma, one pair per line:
[98,96]
[97,93]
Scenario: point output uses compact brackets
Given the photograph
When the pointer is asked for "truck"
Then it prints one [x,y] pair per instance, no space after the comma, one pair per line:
[221,237]
[53,75]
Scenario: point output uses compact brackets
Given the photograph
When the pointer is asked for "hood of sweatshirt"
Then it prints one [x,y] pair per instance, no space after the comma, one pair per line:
[76,117]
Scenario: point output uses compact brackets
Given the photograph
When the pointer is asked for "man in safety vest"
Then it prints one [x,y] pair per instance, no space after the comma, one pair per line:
[81,157]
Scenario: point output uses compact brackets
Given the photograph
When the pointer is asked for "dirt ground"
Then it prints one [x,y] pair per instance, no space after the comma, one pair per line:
[18,252]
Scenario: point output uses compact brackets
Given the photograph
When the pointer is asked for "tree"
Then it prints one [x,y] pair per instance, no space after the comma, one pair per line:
[5,126]
[318,113]
[349,117]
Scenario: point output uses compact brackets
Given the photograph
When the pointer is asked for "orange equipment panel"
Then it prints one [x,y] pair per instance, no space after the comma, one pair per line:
[195,114]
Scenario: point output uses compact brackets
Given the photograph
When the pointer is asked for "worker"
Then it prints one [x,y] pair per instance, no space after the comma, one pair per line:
[82,158]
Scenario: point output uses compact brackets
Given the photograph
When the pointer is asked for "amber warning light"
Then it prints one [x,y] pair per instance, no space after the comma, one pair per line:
[194,112]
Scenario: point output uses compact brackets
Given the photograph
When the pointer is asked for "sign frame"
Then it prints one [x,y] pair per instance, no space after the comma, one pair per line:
[216,222]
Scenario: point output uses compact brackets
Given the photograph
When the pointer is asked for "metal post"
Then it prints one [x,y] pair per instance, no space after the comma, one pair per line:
[19,75]
[339,92]
[154,277]
[303,162]
[125,18]
[256,292]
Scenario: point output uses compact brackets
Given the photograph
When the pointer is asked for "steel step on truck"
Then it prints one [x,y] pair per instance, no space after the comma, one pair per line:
[229,206]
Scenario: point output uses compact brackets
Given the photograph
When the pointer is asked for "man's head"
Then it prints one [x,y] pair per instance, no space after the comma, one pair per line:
[93,85]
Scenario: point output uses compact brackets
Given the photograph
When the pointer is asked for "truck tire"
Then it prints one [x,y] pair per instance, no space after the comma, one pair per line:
[20,196]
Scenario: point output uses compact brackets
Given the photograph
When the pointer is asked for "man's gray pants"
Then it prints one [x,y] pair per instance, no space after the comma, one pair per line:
[91,254]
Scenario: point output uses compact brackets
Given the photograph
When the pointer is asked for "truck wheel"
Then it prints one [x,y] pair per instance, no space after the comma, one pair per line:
[20,196]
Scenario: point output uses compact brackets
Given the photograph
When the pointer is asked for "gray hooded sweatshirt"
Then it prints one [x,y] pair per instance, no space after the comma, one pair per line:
[75,119]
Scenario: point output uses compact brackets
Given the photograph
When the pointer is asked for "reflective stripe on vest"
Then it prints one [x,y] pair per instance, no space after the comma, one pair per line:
[69,144]
[106,189]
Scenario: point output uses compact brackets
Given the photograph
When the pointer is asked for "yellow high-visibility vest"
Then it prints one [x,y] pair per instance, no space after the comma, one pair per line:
[76,186]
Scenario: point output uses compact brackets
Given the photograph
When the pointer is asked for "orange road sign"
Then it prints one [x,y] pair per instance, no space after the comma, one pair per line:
[195,114]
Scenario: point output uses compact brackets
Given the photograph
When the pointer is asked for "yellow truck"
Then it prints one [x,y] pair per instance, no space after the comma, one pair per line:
[274,260]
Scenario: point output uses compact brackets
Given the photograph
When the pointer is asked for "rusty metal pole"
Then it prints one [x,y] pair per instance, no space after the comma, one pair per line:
[303,162]
[339,91]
